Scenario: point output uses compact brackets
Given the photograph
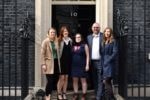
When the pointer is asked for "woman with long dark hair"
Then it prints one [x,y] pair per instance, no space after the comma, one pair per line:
[65,44]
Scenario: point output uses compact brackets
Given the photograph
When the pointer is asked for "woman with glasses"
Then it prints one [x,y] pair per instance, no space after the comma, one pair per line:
[80,66]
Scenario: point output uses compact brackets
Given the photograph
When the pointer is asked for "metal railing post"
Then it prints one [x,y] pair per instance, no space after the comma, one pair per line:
[121,30]
[24,58]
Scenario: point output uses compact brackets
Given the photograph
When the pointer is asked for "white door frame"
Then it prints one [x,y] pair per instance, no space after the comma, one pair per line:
[73,3]
[43,16]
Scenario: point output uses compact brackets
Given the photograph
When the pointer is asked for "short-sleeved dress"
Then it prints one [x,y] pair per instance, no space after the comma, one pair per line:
[78,61]
[66,59]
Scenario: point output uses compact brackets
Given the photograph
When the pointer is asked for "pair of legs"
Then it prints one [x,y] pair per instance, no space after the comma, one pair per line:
[62,86]
[50,80]
[108,95]
[83,84]
[97,78]
[49,86]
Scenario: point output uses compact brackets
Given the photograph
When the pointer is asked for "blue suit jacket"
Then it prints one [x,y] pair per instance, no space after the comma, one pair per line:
[108,56]
[90,40]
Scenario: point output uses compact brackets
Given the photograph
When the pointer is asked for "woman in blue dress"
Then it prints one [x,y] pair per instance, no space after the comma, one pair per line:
[108,53]
[80,65]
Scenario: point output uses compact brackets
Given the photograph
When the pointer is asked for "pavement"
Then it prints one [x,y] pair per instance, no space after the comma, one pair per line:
[90,96]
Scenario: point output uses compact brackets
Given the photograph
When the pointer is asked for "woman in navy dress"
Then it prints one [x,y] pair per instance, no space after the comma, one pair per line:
[108,53]
[80,65]
[65,44]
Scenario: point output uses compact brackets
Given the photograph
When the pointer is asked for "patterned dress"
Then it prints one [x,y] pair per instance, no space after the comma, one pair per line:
[78,61]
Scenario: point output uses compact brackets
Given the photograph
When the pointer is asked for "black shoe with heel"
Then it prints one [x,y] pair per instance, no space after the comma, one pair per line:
[75,96]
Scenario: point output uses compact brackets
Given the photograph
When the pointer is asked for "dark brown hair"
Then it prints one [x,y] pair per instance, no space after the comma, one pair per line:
[60,38]
[82,40]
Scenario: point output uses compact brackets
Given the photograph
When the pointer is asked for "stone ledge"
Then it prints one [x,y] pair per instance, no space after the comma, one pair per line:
[90,95]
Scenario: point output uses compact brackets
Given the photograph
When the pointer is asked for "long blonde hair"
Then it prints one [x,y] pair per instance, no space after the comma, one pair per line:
[111,38]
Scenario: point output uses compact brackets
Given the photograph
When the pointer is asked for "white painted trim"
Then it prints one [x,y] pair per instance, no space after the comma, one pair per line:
[50,14]
[98,9]
[110,13]
[43,20]
[149,56]
[38,37]
[42,24]
[104,10]
[73,2]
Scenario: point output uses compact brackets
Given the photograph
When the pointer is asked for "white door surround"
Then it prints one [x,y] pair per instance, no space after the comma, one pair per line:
[43,16]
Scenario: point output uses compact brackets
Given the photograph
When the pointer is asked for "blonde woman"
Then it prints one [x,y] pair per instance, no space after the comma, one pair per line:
[50,60]
[108,53]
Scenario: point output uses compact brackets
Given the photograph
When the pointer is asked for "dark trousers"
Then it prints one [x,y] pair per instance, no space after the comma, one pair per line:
[97,78]
[52,78]
[49,85]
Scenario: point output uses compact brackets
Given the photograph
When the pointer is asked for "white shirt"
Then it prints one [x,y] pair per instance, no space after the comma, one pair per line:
[66,40]
[95,47]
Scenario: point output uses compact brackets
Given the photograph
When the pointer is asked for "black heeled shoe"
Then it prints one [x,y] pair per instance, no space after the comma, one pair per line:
[64,96]
[75,96]
[58,96]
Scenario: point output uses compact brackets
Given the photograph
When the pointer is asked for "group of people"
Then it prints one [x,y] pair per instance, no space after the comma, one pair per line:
[65,56]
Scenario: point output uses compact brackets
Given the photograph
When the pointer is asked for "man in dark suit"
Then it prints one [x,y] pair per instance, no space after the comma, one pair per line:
[94,41]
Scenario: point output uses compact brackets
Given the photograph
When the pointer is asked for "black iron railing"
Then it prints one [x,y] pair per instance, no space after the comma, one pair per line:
[14,60]
[121,33]
[133,71]
[138,70]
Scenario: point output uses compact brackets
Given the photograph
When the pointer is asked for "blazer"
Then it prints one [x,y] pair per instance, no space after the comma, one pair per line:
[108,56]
[47,56]
[90,40]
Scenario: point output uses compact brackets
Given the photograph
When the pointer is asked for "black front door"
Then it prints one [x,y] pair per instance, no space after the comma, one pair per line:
[78,18]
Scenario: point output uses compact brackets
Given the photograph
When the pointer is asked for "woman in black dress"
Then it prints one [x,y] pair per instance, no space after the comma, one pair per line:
[80,65]
[65,43]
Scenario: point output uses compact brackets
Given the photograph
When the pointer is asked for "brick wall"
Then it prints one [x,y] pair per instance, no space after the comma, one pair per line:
[138,46]
[10,48]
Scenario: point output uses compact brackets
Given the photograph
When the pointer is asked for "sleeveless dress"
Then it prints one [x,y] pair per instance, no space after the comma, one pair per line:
[78,61]
[66,59]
